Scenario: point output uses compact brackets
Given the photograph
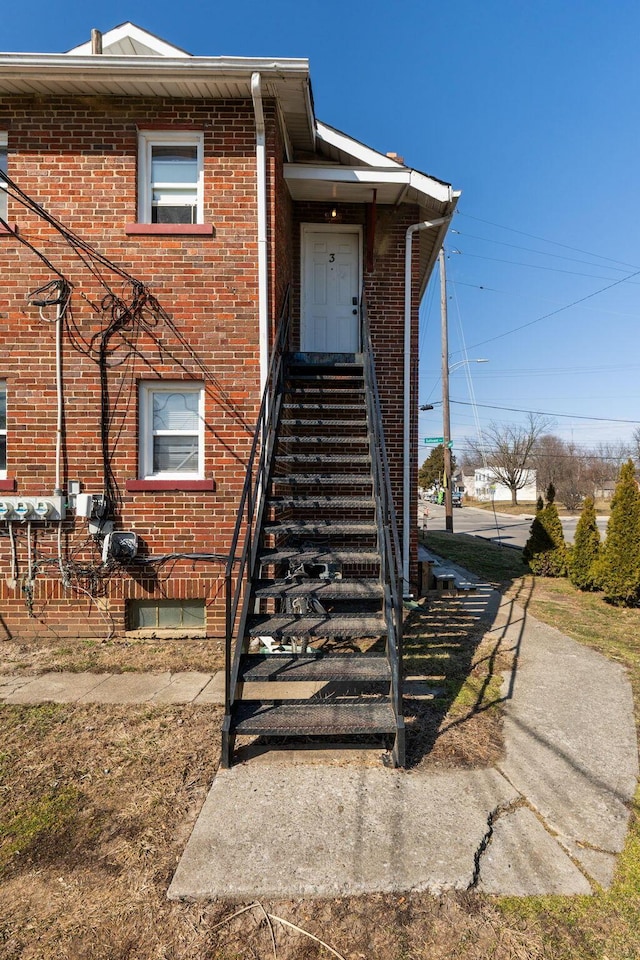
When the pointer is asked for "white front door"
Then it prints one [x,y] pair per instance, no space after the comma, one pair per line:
[330,321]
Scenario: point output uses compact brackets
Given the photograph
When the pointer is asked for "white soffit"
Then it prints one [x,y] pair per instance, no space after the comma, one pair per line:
[354,170]
[344,149]
[135,63]
[308,181]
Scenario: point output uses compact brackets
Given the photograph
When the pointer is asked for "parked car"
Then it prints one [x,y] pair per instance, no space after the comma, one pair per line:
[456,499]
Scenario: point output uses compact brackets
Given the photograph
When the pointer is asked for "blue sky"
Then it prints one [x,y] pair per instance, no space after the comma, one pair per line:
[530,109]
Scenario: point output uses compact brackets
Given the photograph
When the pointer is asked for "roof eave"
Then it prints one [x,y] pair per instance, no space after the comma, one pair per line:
[286,80]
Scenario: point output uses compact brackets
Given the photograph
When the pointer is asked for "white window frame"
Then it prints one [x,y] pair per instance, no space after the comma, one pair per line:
[157,138]
[148,390]
[4,151]
[3,430]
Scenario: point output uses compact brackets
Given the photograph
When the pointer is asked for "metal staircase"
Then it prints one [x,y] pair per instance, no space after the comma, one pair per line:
[313,590]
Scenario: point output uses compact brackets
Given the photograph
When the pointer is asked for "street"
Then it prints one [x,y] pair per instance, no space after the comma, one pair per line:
[501,527]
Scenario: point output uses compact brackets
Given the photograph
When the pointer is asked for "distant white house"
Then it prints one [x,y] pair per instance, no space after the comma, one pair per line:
[487,487]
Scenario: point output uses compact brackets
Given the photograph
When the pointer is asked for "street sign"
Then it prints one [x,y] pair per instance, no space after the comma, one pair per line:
[437,440]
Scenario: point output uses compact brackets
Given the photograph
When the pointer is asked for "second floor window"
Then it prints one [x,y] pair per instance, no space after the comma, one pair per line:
[170,178]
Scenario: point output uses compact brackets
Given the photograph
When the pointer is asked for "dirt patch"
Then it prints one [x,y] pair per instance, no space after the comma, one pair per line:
[460,723]
[112,656]
[96,808]
[95,814]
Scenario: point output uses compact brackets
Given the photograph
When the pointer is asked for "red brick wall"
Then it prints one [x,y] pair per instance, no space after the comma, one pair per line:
[77,157]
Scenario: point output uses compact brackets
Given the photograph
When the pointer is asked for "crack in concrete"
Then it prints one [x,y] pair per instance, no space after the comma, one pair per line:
[502,810]
[556,834]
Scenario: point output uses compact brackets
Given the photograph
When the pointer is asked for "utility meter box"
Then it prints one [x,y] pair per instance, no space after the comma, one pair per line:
[121,546]
[90,505]
[32,508]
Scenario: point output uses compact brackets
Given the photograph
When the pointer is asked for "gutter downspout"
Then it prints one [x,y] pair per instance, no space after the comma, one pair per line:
[261,182]
[406,490]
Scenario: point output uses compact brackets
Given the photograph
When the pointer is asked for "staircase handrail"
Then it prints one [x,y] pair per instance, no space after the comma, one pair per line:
[241,563]
[388,536]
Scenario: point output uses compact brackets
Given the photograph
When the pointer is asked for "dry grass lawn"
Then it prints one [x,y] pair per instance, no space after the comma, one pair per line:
[96,807]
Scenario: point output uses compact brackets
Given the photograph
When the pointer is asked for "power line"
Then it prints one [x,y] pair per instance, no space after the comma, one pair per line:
[510,293]
[538,266]
[554,313]
[557,243]
[541,413]
[539,253]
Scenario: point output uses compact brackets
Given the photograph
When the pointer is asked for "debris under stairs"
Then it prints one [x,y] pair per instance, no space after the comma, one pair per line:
[322,605]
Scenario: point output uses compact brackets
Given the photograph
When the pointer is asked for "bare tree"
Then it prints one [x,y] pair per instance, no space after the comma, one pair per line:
[566,466]
[508,451]
[548,458]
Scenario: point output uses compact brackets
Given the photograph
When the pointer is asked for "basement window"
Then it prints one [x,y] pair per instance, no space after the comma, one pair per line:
[170,177]
[171,430]
[188,615]
[3,430]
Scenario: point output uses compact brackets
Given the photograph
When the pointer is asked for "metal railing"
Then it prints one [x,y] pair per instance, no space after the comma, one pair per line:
[388,537]
[246,535]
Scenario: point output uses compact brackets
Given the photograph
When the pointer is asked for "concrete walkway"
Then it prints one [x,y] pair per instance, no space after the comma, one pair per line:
[549,818]
[155,688]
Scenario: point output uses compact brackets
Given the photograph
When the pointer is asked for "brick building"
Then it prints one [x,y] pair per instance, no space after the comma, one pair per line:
[161,213]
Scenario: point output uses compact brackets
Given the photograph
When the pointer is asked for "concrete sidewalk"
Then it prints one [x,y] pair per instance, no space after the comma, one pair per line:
[127,688]
[549,818]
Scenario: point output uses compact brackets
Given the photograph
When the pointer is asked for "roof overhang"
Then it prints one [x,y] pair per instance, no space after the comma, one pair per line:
[356,184]
[216,78]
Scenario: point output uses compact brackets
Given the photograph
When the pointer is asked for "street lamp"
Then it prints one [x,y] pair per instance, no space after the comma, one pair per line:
[461,363]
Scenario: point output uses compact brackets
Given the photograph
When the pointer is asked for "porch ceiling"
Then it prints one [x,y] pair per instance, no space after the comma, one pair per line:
[355,184]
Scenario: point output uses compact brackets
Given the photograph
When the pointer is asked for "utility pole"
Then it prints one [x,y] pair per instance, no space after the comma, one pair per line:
[446,417]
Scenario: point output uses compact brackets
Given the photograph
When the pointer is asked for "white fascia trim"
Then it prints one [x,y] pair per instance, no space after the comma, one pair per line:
[403,176]
[359,151]
[193,67]
[129,30]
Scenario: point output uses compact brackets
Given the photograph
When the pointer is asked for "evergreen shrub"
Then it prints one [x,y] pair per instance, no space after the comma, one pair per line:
[617,569]
[583,555]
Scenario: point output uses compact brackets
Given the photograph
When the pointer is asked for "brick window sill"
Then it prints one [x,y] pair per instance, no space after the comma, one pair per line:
[180,486]
[8,485]
[9,230]
[169,229]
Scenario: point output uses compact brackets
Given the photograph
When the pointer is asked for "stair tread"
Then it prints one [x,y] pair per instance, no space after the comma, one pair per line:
[317,625]
[289,438]
[287,422]
[320,526]
[303,587]
[350,667]
[303,718]
[340,479]
[309,357]
[320,554]
[326,459]
[320,404]
[313,391]
[308,503]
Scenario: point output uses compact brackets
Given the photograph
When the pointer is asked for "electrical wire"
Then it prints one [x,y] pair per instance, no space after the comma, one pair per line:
[541,253]
[543,413]
[556,243]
